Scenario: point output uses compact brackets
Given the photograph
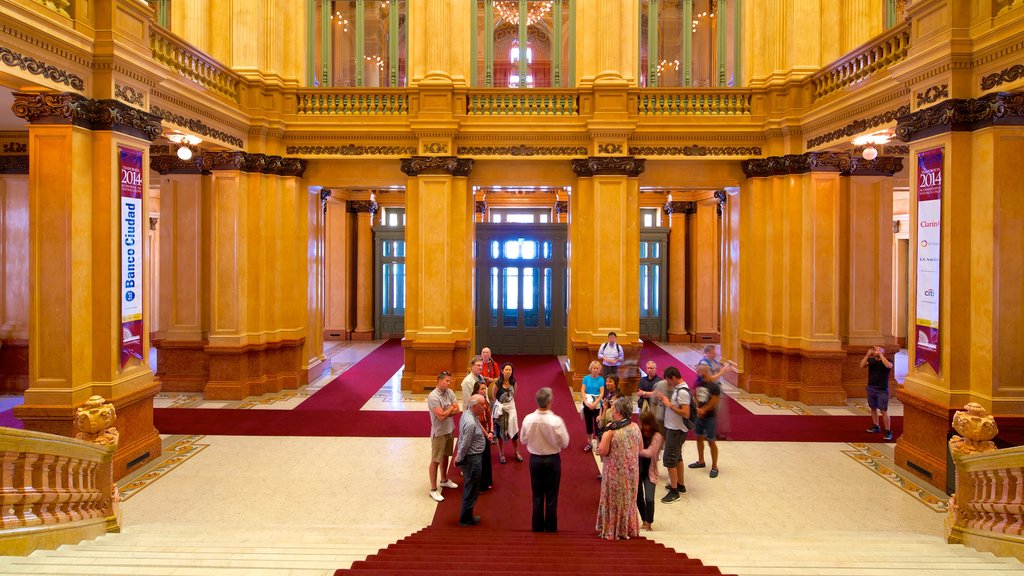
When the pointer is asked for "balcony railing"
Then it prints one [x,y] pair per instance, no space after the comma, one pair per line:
[353,101]
[191,63]
[536,102]
[870,58]
[693,102]
[54,490]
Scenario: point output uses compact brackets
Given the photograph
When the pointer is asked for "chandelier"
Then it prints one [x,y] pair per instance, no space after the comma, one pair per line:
[508,10]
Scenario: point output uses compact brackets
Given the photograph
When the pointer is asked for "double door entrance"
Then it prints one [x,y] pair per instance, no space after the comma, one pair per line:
[522,288]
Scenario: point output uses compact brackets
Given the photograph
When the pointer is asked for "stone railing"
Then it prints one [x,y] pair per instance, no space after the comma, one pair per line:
[513,102]
[874,56]
[58,490]
[190,62]
[353,101]
[987,510]
[62,7]
[694,102]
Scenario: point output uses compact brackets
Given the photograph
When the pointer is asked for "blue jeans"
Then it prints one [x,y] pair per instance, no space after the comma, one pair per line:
[472,467]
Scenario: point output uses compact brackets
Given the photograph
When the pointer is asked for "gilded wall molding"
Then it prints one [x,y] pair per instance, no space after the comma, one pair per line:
[608,165]
[858,126]
[880,166]
[962,115]
[129,95]
[14,164]
[70,108]
[351,150]
[435,148]
[249,162]
[196,126]
[695,150]
[1011,74]
[452,165]
[40,68]
[15,148]
[609,148]
[932,94]
[522,150]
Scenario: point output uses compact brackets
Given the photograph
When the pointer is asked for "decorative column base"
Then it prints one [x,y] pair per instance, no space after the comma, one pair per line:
[425,360]
[13,366]
[361,335]
[707,337]
[813,378]
[182,366]
[236,373]
[679,337]
[923,446]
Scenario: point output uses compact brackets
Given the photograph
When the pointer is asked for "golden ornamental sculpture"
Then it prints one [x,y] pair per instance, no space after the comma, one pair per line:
[95,422]
[977,428]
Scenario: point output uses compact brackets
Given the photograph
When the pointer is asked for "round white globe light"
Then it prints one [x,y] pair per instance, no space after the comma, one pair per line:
[185,153]
[870,153]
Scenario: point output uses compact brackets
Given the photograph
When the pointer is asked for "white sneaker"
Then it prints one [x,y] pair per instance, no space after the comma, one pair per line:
[436,496]
[448,484]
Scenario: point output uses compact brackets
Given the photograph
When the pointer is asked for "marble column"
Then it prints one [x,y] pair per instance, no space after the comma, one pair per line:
[678,238]
[14,271]
[75,269]
[364,211]
[339,246]
[703,284]
[439,233]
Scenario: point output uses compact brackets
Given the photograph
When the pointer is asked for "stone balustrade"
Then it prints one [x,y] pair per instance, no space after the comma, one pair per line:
[694,102]
[62,7]
[56,490]
[987,510]
[353,101]
[192,63]
[870,58]
[519,102]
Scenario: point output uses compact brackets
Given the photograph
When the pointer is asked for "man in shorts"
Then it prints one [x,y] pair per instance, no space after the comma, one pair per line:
[878,389]
[443,405]
[677,411]
[708,392]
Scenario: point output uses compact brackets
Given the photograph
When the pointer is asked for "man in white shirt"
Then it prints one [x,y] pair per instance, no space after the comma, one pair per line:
[610,354]
[545,435]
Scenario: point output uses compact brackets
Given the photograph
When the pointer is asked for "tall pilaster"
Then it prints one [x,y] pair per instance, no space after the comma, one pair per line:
[439,234]
[703,282]
[605,237]
[75,268]
[339,246]
[731,288]
[14,259]
[315,297]
[678,238]
[364,211]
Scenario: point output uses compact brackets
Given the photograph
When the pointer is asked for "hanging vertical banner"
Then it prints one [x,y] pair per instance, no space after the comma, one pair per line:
[130,162]
[929,241]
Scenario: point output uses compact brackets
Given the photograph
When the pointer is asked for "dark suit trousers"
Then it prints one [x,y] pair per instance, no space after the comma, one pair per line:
[545,476]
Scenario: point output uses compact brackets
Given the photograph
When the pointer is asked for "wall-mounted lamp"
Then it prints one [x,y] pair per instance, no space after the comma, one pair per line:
[185,143]
[869,141]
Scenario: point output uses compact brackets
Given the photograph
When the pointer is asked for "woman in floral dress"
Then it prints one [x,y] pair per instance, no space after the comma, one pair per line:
[620,450]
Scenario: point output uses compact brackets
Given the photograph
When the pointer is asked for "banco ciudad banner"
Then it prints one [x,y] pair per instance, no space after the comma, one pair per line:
[130,161]
[929,238]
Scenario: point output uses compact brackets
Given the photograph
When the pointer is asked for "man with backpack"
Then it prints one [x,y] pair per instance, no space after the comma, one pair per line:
[610,354]
[678,421]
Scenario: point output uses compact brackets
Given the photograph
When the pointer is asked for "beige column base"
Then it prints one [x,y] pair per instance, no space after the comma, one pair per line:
[676,337]
[253,370]
[425,360]
[361,335]
[811,377]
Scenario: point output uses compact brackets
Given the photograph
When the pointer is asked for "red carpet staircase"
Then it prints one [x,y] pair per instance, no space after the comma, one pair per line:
[478,550]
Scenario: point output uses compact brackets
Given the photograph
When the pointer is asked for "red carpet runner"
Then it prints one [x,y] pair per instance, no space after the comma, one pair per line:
[503,542]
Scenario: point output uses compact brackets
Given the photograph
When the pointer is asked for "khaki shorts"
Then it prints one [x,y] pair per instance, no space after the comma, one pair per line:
[441,447]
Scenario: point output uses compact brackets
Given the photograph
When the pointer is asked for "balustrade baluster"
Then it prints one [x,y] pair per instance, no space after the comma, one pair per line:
[10,494]
[42,476]
[23,481]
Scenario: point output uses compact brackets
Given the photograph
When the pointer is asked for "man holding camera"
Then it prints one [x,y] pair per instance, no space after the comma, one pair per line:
[878,389]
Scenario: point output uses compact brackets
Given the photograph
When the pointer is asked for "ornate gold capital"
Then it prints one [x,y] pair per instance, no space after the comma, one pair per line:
[95,422]
[608,166]
[452,165]
[14,164]
[962,115]
[70,108]
[977,428]
[680,207]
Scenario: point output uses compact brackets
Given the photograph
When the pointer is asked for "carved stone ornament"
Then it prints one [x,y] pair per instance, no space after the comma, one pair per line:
[977,428]
[797,164]
[962,115]
[171,164]
[481,207]
[33,66]
[522,150]
[435,148]
[880,166]
[608,166]
[680,207]
[695,150]
[95,422]
[351,150]
[1011,74]
[609,148]
[153,221]
[897,150]
[70,108]
[13,164]
[562,207]
[15,148]
[293,167]
[932,94]
[197,127]
[250,162]
[859,126]
[129,95]
[357,206]
[452,165]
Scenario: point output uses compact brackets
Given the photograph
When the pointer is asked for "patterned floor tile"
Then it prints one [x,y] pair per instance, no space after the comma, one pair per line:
[179,450]
[880,463]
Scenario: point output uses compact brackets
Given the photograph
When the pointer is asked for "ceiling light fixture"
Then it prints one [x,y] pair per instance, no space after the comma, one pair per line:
[185,143]
[869,141]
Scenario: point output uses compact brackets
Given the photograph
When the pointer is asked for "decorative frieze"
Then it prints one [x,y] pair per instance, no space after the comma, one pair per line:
[171,164]
[897,150]
[962,115]
[695,150]
[608,166]
[932,94]
[841,162]
[351,150]
[880,166]
[13,164]
[197,127]
[1011,74]
[680,207]
[435,148]
[859,126]
[15,148]
[609,148]
[70,108]
[357,206]
[230,160]
[39,68]
[522,150]
[452,165]
[129,95]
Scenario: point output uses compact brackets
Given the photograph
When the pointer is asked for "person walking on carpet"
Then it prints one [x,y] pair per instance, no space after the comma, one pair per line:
[545,435]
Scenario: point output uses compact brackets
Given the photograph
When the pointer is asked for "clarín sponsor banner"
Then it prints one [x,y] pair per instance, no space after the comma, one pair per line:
[929,239]
[130,161]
